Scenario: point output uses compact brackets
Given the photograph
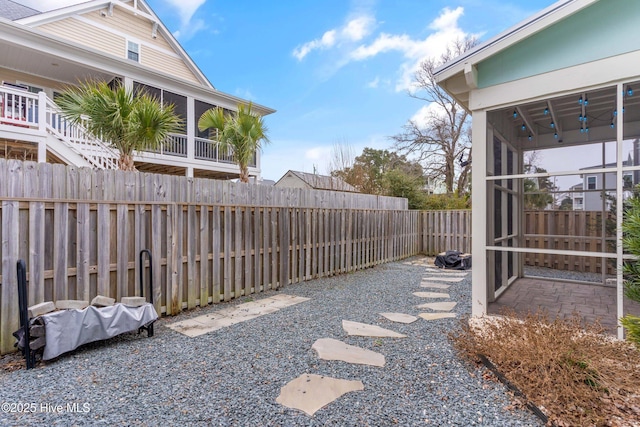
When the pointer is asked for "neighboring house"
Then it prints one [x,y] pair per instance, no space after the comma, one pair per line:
[114,41]
[577,196]
[592,186]
[563,77]
[295,179]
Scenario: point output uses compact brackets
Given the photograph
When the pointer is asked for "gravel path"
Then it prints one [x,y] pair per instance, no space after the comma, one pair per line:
[232,377]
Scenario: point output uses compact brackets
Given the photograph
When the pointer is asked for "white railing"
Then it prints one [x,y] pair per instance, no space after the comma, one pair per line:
[174,145]
[207,149]
[95,151]
[18,107]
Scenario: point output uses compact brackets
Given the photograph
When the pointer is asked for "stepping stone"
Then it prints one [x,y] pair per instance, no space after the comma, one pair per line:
[230,316]
[434,285]
[399,317]
[431,295]
[436,316]
[439,306]
[310,392]
[364,330]
[330,349]
[444,279]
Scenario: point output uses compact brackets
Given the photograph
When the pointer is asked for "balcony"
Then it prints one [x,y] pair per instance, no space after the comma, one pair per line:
[30,113]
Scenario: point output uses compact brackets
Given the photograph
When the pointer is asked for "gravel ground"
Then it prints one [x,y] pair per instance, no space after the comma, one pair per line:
[231,377]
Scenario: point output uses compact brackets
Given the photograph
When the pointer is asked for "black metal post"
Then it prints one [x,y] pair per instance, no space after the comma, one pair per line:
[23,306]
[150,296]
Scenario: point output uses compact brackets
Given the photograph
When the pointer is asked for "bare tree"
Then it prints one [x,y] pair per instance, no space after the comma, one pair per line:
[342,156]
[442,143]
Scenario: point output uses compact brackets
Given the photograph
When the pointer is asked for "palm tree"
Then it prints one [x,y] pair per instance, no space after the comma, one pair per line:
[241,133]
[128,122]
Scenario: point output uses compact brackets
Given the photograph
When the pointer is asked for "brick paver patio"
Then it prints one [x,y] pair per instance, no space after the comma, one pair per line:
[563,299]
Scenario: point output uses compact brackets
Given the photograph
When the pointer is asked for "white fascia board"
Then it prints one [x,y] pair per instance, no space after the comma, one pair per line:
[566,81]
[64,12]
[547,17]
[37,40]
[147,12]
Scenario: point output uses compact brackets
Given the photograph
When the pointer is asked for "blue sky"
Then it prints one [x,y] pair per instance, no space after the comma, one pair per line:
[336,71]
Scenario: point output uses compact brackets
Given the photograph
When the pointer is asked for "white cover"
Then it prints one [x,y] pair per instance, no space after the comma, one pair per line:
[66,330]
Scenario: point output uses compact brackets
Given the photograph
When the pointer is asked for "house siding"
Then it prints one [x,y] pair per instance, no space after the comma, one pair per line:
[155,53]
[92,36]
[292,181]
[166,64]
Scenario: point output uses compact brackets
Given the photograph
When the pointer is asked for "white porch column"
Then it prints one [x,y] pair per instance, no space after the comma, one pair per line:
[42,127]
[191,124]
[128,83]
[619,209]
[479,214]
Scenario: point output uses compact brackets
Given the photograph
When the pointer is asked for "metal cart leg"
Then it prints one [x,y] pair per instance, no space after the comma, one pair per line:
[23,306]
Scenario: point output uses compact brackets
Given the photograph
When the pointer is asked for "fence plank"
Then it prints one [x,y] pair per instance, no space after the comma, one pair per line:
[193,287]
[205,277]
[237,254]
[266,246]
[122,237]
[9,320]
[228,226]
[215,253]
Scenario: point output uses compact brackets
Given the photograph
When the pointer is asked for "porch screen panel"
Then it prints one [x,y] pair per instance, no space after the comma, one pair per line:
[200,107]
[179,103]
[149,90]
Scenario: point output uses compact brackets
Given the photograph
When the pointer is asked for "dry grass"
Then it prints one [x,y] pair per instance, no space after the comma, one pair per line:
[574,373]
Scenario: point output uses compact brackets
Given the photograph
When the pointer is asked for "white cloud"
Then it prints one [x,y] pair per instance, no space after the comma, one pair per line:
[374,83]
[421,117]
[445,30]
[318,154]
[245,94]
[352,31]
[358,28]
[186,9]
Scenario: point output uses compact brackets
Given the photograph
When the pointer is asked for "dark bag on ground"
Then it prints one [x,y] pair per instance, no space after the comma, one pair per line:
[453,260]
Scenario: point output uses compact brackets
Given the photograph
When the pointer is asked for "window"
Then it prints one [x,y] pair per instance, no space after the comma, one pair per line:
[133,51]
[627,181]
[591,183]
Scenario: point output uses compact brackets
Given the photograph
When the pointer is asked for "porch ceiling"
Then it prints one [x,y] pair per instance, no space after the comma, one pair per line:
[53,67]
[565,113]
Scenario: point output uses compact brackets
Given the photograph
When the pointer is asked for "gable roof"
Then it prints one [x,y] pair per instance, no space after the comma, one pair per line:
[321,182]
[459,76]
[142,10]
[12,11]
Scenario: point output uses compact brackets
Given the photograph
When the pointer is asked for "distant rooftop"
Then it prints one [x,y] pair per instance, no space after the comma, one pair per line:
[322,182]
[13,11]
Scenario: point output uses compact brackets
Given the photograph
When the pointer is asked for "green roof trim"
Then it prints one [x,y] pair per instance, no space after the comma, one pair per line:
[578,39]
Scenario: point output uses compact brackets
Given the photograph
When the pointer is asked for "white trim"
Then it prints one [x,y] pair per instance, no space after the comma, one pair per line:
[536,23]
[127,50]
[604,73]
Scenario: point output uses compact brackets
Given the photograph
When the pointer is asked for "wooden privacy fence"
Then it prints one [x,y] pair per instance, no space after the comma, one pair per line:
[202,253]
[46,180]
[569,230]
[446,230]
